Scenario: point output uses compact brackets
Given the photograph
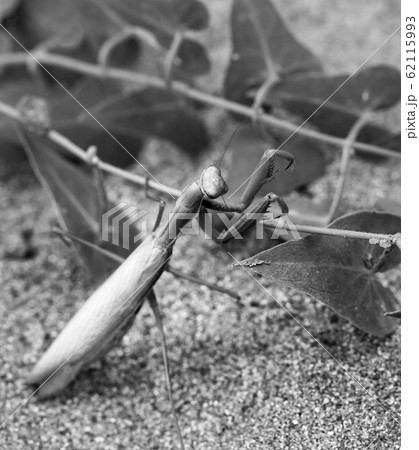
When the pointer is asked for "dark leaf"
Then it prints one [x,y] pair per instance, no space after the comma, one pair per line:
[6,46]
[340,272]
[116,43]
[377,135]
[76,29]
[164,19]
[133,49]
[152,112]
[57,26]
[372,222]
[127,118]
[78,192]
[7,7]
[124,53]
[79,28]
[10,92]
[161,16]
[75,190]
[45,20]
[114,146]
[372,89]
[189,14]
[388,140]
[137,49]
[248,146]
[193,58]
[64,111]
[262,48]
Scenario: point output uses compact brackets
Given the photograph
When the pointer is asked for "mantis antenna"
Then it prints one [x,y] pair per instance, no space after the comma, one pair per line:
[224,153]
[228,145]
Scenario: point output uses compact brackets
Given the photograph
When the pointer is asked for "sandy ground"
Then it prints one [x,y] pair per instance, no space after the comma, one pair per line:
[246,376]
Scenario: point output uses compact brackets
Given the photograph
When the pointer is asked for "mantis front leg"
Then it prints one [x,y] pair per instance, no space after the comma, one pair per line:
[266,170]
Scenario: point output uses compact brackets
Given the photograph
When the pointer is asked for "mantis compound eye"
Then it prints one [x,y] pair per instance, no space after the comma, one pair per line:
[212,183]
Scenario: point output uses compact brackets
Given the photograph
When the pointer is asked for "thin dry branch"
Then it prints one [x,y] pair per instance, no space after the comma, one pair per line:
[77,151]
[75,65]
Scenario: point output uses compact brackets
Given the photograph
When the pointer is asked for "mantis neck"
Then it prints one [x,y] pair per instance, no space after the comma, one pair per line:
[186,208]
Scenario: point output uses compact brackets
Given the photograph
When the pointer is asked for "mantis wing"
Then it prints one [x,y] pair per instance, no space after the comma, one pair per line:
[102,320]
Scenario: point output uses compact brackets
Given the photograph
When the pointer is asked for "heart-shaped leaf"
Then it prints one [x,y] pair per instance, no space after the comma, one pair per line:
[79,198]
[334,103]
[133,49]
[164,19]
[340,272]
[263,48]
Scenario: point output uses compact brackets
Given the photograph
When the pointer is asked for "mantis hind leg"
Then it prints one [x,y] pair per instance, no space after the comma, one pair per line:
[67,237]
[248,219]
[152,300]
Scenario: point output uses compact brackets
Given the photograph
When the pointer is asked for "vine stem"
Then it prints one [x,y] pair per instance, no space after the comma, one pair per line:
[77,151]
[75,65]
[347,152]
[309,229]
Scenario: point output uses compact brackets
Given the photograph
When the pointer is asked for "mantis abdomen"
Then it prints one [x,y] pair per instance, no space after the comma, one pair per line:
[102,321]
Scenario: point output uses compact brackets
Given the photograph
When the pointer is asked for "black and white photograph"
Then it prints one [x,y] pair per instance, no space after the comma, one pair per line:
[200,224]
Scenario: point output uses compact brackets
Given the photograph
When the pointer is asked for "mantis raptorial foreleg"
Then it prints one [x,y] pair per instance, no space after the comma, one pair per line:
[265,171]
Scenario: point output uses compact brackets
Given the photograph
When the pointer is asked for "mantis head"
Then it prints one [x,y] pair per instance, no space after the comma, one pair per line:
[212,183]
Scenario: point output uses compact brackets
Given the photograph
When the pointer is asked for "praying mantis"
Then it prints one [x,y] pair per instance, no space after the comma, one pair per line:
[111,309]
